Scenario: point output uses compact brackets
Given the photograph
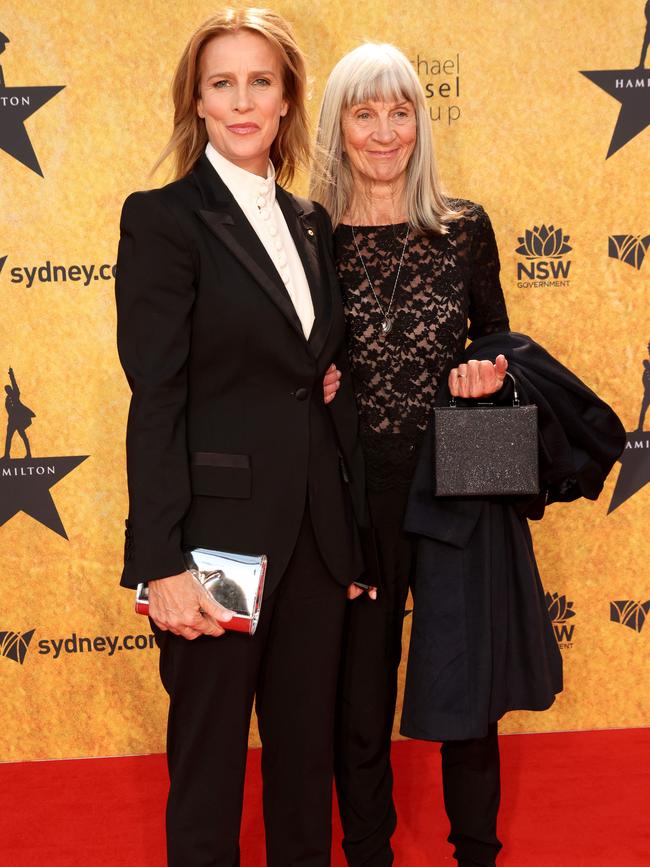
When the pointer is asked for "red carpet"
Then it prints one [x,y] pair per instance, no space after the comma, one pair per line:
[569,800]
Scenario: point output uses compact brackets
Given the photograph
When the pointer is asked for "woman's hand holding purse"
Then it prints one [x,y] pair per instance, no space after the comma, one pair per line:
[181,605]
[478,379]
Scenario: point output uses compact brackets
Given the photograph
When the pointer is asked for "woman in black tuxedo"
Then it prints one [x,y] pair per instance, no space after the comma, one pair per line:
[229,314]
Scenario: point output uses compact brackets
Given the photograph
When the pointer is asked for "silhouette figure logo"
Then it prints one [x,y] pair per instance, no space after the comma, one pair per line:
[16,105]
[630,249]
[560,610]
[635,460]
[26,481]
[629,613]
[630,87]
[14,645]
[19,417]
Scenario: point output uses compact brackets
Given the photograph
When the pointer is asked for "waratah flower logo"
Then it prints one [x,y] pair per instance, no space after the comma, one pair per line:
[630,249]
[13,645]
[543,242]
[558,608]
[629,613]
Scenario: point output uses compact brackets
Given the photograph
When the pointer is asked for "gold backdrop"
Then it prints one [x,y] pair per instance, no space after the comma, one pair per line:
[517,128]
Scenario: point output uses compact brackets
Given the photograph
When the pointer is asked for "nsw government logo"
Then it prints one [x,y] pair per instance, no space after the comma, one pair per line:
[14,645]
[560,611]
[16,105]
[629,612]
[544,249]
[25,481]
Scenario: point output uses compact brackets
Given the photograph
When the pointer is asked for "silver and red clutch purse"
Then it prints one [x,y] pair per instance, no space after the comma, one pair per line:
[235,581]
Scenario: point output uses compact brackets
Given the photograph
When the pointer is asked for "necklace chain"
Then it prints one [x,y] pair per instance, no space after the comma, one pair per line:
[387,322]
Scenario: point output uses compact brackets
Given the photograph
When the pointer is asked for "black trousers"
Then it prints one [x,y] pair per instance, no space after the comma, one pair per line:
[366,709]
[290,667]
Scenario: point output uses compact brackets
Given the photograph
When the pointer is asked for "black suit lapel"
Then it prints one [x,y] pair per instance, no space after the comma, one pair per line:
[304,228]
[225,219]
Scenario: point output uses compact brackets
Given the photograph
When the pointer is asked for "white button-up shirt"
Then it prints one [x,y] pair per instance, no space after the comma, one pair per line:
[256,197]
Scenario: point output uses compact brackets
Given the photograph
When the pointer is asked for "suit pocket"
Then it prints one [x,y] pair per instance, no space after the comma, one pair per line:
[215,474]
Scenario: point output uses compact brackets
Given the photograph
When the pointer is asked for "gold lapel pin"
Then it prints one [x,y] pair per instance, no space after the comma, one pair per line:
[310,231]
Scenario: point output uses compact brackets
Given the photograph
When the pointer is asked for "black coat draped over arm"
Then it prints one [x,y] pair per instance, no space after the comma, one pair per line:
[482,642]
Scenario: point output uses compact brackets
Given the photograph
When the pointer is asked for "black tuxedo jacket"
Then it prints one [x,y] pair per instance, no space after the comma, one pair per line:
[228,435]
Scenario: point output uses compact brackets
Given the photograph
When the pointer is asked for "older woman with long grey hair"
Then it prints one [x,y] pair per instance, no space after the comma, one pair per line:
[419,272]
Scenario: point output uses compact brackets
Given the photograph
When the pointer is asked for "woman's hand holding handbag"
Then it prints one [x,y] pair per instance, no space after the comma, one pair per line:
[478,379]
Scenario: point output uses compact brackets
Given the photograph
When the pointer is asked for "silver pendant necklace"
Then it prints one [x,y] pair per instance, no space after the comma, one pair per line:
[387,319]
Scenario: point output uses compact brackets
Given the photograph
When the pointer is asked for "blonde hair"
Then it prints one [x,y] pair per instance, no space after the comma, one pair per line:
[377,72]
[291,148]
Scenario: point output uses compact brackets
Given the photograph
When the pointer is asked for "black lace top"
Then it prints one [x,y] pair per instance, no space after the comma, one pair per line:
[445,281]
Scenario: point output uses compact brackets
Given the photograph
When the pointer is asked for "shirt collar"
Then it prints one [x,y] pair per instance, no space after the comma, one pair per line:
[245,186]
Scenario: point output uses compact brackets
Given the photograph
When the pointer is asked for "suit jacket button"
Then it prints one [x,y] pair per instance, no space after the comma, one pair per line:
[301,394]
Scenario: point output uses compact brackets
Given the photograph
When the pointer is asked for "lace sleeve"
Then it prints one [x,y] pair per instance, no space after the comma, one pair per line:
[487,306]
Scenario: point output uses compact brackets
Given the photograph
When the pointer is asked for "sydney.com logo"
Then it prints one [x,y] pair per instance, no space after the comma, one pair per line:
[14,645]
[544,249]
[47,272]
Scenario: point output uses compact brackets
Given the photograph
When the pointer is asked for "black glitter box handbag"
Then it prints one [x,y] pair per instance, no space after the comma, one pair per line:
[486,450]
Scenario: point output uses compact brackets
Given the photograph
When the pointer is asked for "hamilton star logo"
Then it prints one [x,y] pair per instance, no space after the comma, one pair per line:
[631,87]
[16,105]
[635,460]
[25,482]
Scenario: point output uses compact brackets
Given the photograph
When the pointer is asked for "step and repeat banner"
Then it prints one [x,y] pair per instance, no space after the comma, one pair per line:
[540,111]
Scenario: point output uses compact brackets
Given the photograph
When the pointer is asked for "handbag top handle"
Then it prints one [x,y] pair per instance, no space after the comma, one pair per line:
[515,398]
